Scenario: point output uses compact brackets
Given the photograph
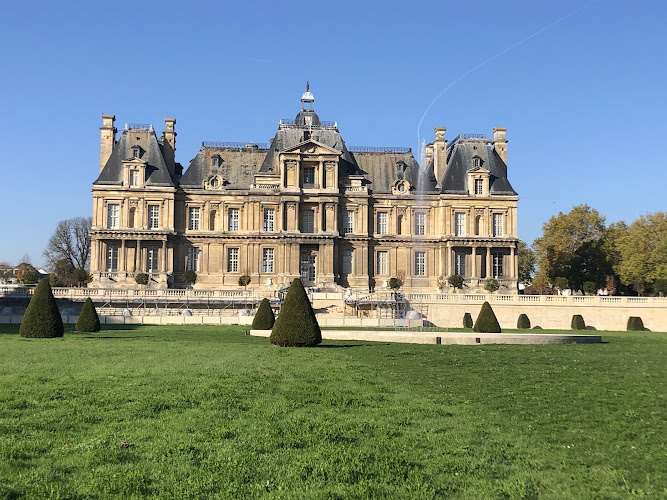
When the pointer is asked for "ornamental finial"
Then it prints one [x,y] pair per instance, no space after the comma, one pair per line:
[307,86]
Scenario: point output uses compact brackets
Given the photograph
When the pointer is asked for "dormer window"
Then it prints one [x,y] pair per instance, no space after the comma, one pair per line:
[401,187]
[136,151]
[306,135]
[400,169]
[216,161]
[476,162]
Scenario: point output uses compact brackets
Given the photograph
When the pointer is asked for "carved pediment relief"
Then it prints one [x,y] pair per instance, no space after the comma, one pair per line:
[312,147]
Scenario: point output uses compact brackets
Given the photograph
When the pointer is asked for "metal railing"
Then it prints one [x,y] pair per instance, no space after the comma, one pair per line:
[139,126]
[378,149]
[235,145]
[324,125]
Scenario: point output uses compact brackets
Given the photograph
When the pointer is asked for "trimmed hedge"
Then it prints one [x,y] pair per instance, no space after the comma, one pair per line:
[88,320]
[578,322]
[523,321]
[635,324]
[42,318]
[467,320]
[296,325]
[486,321]
[264,319]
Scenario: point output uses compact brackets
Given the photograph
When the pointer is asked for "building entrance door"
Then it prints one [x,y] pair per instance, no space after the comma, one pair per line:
[308,269]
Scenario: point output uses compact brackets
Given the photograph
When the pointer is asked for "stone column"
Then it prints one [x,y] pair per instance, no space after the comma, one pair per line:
[473,268]
[121,257]
[163,266]
[513,264]
[489,271]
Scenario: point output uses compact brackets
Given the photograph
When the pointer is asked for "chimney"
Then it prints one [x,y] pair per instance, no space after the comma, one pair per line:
[500,142]
[107,138]
[439,154]
[169,143]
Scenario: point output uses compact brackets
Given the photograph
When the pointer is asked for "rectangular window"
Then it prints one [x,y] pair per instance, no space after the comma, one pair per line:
[233,219]
[193,259]
[308,221]
[382,267]
[479,186]
[308,268]
[497,224]
[151,259]
[420,263]
[153,216]
[460,263]
[269,218]
[134,177]
[347,262]
[267,260]
[112,258]
[348,222]
[113,211]
[420,223]
[382,223]
[193,219]
[308,176]
[460,224]
[497,265]
[232,260]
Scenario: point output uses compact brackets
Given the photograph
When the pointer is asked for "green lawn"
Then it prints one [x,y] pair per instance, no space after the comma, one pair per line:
[206,412]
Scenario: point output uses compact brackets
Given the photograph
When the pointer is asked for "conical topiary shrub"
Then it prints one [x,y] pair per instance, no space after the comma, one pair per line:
[635,324]
[42,318]
[523,321]
[486,321]
[578,322]
[467,320]
[264,319]
[296,325]
[88,320]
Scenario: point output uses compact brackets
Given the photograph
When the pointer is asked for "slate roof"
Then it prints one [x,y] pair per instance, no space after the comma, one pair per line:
[381,170]
[157,173]
[459,162]
[237,167]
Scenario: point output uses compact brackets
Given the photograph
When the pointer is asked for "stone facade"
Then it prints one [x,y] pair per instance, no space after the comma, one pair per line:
[304,205]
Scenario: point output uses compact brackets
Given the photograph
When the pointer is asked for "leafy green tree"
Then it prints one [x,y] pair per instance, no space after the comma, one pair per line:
[30,277]
[141,278]
[660,287]
[395,283]
[189,277]
[486,320]
[244,281]
[467,320]
[527,260]
[491,285]
[571,246]
[456,281]
[561,283]
[642,250]
[88,320]
[264,319]
[296,325]
[82,277]
[42,318]
[590,288]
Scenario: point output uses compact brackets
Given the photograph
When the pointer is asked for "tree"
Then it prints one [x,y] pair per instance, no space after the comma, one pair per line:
[635,324]
[264,319]
[62,274]
[560,283]
[395,283]
[486,320]
[88,320]
[141,278]
[578,322]
[42,318]
[571,246]
[491,285]
[590,288]
[6,272]
[296,325]
[642,250]
[30,277]
[467,320]
[526,263]
[189,277]
[523,322]
[70,241]
[456,281]
[244,280]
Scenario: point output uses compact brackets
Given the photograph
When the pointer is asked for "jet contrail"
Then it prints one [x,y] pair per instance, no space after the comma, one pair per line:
[487,61]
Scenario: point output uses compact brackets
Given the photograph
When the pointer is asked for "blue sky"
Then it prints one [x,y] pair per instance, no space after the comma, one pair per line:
[583,100]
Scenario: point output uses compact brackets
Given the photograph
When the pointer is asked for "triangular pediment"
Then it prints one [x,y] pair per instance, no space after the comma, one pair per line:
[311,146]
[479,170]
[134,161]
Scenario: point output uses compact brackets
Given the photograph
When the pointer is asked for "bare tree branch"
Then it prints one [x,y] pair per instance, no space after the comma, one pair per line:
[71,242]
